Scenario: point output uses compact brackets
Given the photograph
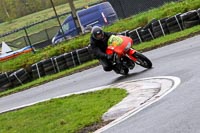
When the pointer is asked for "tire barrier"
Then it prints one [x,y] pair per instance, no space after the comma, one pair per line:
[84,55]
[174,24]
[154,29]
[190,19]
[70,59]
[49,66]
[45,67]
[4,82]
[90,51]
[134,34]
[124,33]
[162,27]
[60,63]
[198,11]
[146,35]
[75,58]
[19,77]
[159,28]
[37,70]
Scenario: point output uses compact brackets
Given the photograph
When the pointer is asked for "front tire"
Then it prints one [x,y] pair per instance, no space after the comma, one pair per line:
[142,60]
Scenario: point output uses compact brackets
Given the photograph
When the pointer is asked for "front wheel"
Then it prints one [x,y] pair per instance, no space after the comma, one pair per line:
[142,60]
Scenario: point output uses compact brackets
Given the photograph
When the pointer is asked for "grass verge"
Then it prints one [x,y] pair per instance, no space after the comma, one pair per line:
[156,43]
[69,114]
[48,78]
[139,20]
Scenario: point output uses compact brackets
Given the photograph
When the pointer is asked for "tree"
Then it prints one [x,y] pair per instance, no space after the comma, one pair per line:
[3,5]
[12,9]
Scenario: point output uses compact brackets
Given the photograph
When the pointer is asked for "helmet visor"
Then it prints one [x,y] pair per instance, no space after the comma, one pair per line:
[99,36]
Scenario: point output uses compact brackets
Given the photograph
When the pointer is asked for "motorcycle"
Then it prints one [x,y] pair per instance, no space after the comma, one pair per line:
[124,56]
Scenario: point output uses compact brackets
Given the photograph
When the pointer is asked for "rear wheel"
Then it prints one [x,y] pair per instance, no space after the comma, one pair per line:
[142,60]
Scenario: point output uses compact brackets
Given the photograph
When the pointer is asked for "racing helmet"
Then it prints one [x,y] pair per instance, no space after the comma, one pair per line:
[97,33]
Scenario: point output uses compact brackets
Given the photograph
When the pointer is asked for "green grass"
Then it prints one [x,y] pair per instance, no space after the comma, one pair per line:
[165,40]
[133,22]
[48,78]
[64,115]
[168,39]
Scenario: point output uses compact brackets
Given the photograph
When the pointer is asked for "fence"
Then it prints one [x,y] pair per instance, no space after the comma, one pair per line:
[155,29]
[126,8]
[26,37]
[18,38]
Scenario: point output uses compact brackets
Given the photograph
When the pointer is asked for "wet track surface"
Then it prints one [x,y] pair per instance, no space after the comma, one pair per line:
[176,112]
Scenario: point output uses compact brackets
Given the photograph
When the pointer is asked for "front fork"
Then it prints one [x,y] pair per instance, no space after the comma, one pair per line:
[130,55]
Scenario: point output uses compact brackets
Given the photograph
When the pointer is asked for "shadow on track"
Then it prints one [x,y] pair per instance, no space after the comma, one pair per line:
[123,78]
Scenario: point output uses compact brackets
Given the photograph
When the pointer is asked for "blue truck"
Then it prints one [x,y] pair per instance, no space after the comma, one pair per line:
[101,14]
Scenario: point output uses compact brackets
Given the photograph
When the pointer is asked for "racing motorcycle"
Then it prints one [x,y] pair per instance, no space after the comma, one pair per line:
[124,56]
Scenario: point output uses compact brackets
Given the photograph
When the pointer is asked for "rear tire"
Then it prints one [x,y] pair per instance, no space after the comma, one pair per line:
[142,60]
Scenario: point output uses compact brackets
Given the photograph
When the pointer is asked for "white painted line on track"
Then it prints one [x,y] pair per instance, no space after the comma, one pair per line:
[176,81]
[157,97]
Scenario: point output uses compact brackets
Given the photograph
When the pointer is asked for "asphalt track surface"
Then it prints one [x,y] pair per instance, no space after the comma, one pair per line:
[141,94]
[176,112]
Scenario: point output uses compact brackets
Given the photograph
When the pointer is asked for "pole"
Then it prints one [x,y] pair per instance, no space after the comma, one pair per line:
[74,15]
[29,41]
[58,20]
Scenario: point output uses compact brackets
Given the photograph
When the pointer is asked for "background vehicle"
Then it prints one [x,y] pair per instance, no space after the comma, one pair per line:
[100,14]
[125,57]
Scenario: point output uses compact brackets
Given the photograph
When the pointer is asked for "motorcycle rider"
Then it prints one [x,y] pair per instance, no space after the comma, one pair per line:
[99,44]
